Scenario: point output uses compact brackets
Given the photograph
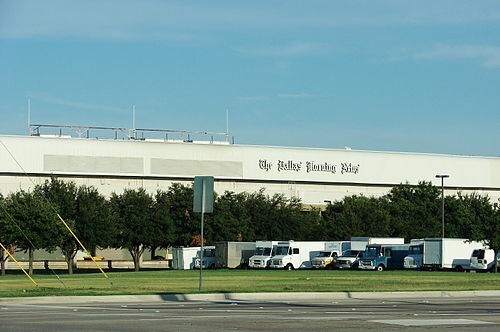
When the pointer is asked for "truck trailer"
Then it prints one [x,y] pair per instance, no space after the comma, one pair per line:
[442,253]
[233,254]
[183,258]
[294,255]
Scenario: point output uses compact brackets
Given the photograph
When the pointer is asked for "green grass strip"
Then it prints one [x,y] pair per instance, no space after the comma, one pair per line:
[245,281]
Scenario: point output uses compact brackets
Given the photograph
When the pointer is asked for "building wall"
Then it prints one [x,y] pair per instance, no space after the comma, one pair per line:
[314,175]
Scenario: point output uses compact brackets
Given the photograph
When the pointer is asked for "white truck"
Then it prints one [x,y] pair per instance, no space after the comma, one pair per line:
[294,254]
[441,253]
[233,254]
[183,258]
[264,250]
[208,258]
[350,259]
[326,258]
[482,260]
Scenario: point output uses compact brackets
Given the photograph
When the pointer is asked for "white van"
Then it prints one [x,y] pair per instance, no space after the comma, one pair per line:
[482,260]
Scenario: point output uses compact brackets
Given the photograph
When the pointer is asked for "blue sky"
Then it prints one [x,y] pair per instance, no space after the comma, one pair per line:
[419,76]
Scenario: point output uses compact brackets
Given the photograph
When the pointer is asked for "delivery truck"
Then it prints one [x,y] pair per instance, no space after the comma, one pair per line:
[233,254]
[442,253]
[292,255]
[350,259]
[208,258]
[382,257]
[264,250]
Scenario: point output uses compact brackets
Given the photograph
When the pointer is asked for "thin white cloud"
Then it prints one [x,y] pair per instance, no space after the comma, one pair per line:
[295,95]
[252,98]
[295,49]
[489,56]
[183,20]
[76,104]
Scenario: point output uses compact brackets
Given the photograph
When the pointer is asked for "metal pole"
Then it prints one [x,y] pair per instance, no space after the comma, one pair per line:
[442,204]
[201,235]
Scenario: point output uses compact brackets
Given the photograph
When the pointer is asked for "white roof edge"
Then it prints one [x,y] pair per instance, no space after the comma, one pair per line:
[349,150]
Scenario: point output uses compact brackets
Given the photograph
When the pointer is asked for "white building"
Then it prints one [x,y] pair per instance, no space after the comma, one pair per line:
[314,175]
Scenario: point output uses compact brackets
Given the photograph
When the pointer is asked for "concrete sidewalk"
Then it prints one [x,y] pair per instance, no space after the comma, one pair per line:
[251,297]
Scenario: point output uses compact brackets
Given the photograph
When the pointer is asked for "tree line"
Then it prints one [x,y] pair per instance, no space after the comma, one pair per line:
[136,220]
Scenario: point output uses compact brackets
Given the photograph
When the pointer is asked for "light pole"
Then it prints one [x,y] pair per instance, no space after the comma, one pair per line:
[442,177]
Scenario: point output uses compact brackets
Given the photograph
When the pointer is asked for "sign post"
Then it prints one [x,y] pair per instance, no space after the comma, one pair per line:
[203,202]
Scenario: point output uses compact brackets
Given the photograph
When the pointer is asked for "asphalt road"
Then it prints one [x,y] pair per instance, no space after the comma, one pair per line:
[401,314]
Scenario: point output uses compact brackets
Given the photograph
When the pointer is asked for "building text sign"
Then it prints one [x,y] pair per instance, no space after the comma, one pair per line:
[309,166]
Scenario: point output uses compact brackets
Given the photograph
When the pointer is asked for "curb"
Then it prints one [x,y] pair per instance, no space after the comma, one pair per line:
[251,297]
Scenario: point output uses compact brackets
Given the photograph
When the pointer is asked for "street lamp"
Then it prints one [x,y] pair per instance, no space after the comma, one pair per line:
[442,177]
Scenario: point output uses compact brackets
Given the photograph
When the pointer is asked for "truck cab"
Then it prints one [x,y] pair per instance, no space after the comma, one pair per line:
[415,257]
[208,258]
[264,250]
[349,260]
[324,260]
[381,257]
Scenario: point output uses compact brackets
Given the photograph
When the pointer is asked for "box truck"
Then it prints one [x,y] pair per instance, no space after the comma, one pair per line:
[183,258]
[382,257]
[233,254]
[326,258]
[264,250]
[441,253]
[350,259]
[294,254]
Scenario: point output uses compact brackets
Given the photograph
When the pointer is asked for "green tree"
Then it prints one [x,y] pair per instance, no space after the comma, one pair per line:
[62,197]
[357,216]
[7,238]
[94,226]
[415,210]
[229,221]
[186,224]
[164,235]
[35,223]
[136,229]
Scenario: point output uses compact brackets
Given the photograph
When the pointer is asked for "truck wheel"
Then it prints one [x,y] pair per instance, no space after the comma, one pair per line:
[289,267]
[459,268]
[380,268]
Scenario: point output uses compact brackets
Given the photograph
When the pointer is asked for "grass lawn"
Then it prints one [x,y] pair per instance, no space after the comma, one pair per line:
[243,281]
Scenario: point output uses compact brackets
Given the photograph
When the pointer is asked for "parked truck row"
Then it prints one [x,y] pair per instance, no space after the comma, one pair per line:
[364,253]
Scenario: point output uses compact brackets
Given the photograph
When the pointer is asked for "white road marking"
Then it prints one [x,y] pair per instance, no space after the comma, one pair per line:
[430,322]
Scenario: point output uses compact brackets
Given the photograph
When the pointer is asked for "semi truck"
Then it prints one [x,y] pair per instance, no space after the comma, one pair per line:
[326,258]
[382,257]
[442,253]
[350,259]
[292,255]
[233,254]
[264,250]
